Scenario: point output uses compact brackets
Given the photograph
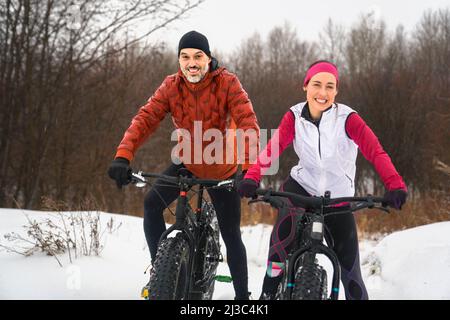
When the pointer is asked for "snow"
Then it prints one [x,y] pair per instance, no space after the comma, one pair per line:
[409,264]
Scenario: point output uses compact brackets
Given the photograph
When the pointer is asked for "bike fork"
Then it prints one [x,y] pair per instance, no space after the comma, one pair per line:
[336,270]
[180,222]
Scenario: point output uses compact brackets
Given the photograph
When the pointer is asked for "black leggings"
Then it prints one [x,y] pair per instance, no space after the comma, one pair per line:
[342,229]
[228,209]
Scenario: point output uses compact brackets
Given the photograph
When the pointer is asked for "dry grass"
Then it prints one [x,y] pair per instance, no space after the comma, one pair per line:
[415,213]
[79,233]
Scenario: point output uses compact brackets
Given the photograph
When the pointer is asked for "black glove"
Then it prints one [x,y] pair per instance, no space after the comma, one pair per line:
[247,188]
[120,171]
[395,198]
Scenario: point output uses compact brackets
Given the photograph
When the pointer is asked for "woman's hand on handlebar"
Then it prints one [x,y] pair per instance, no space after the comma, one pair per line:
[395,198]
[247,188]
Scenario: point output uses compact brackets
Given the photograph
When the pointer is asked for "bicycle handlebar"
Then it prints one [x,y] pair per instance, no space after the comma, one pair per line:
[138,178]
[314,202]
[317,202]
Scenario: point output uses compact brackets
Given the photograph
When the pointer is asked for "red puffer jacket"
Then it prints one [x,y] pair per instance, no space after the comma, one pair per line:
[218,101]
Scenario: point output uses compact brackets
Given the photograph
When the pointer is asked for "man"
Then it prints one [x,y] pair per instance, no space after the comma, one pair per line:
[200,94]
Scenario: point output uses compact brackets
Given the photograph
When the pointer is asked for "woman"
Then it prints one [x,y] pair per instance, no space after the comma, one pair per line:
[326,137]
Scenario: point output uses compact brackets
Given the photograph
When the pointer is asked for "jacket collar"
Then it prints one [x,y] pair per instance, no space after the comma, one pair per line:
[306,114]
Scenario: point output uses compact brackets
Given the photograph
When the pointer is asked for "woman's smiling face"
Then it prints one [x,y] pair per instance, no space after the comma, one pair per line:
[321,92]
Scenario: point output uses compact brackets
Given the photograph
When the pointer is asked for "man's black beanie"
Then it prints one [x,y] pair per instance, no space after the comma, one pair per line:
[196,40]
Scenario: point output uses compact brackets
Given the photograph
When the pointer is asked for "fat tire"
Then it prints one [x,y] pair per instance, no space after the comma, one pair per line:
[310,283]
[169,275]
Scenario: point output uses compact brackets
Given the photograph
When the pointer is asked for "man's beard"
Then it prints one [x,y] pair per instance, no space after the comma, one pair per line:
[198,77]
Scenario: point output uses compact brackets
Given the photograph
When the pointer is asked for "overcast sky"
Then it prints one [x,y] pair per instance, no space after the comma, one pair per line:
[227,22]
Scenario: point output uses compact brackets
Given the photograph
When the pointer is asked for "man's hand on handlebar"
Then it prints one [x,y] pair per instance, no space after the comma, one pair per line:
[120,171]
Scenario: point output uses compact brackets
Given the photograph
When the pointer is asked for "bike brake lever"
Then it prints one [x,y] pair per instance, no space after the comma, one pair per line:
[276,203]
[227,183]
[138,180]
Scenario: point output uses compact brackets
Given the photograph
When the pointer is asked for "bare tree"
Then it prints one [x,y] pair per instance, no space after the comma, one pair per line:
[331,43]
[49,50]
[431,65]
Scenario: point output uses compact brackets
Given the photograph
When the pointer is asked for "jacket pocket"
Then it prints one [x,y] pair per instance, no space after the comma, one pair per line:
[351,181]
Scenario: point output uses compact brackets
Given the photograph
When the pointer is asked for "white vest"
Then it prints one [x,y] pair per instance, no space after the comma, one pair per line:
[327,156]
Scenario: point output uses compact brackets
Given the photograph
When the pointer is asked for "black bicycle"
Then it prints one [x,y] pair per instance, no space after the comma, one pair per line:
[186,262]
[304,278]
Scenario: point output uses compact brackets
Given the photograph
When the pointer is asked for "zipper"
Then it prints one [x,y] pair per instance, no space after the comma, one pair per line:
[198,119]
[318,132]
[322,181]
[320,152]
[197,111]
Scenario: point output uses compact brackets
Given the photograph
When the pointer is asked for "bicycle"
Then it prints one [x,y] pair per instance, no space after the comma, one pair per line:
[185,264]
[304,278]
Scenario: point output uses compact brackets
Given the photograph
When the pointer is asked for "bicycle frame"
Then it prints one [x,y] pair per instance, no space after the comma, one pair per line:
[183,213]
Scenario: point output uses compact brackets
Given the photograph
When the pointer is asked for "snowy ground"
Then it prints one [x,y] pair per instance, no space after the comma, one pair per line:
[411,264]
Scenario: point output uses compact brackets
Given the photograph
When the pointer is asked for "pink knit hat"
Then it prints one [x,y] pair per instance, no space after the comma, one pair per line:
[322,66]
